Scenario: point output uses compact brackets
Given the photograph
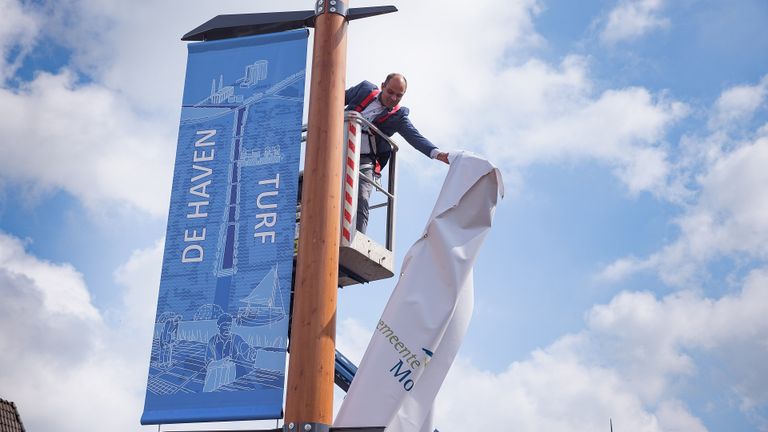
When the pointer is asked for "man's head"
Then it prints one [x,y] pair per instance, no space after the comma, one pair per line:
[225,324]
[393,89]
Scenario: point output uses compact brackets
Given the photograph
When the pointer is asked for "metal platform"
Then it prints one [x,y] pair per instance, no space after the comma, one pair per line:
[364,260]
[361,258]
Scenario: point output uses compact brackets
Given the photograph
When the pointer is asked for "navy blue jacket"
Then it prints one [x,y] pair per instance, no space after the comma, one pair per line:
[398,122]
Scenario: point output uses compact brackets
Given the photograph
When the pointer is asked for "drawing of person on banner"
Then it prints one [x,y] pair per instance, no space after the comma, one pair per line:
[168,338]
[227,356]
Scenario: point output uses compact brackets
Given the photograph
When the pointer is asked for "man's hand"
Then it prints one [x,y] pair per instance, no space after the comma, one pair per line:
[443,157]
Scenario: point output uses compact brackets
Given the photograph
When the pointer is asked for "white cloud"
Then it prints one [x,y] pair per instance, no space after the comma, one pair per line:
[622,268]
[729,219]
[140,276]
[19,27]
[59,287]
[725,211]
[52,332]
[674,416]
[135,50]
[504,102]
[650,341]
[546,392]
[627,364]
[67,368]
[106,149]
[553,117]
[520,110]
[63,365]
[103,128]
[82,138]
[732,196]
[452,59]
[631,19]
[353,340]
[523,112]
[555,389]
[738,104]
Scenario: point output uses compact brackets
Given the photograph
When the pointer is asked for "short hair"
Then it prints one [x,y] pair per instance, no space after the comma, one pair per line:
[395,74]
[225,317]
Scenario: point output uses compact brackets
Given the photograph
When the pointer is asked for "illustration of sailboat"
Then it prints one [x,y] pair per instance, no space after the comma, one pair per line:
[264,305]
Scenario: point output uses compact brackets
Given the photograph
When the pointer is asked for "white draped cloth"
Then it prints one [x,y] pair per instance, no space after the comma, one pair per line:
[424,322]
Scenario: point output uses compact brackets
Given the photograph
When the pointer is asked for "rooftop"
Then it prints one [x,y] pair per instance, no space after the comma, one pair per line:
[10,421]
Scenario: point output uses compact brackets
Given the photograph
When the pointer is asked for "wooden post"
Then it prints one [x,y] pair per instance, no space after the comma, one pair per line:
[313,330]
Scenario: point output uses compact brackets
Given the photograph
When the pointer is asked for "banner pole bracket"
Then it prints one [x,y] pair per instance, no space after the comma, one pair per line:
[238,25]
[306,427]
[338,7]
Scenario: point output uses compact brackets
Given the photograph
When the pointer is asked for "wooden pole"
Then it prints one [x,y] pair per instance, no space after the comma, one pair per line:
[313,330]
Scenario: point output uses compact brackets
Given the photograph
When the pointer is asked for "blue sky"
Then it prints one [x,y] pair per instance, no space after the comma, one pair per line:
[625,277]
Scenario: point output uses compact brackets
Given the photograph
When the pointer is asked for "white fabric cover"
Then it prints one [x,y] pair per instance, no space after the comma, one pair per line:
[429,309]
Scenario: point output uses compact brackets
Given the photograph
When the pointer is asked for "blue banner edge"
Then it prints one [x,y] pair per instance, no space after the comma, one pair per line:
[285,36]
[178,416]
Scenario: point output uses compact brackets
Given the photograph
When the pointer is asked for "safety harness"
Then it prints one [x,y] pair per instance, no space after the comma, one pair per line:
[367,101]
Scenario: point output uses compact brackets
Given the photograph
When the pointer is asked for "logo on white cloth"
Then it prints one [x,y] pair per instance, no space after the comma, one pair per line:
[428,357]
[408,361]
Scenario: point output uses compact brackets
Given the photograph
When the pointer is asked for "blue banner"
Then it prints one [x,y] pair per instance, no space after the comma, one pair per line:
[221,329]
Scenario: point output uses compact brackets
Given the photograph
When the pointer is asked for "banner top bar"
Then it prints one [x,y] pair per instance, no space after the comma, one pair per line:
[236,25]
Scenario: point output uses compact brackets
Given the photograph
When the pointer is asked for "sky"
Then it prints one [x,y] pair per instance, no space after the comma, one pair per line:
[625,276]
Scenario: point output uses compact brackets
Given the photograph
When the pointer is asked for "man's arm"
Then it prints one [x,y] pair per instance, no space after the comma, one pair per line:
[407,130]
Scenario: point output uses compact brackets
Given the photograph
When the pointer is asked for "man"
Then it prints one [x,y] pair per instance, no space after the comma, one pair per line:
[381,108]
[227,356]
[168,338]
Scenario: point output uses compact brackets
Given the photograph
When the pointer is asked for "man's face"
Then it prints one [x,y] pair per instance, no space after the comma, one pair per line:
[225,328]
[393,91]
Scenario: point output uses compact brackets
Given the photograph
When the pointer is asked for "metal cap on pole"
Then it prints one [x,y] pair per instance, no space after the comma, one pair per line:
[309,400]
